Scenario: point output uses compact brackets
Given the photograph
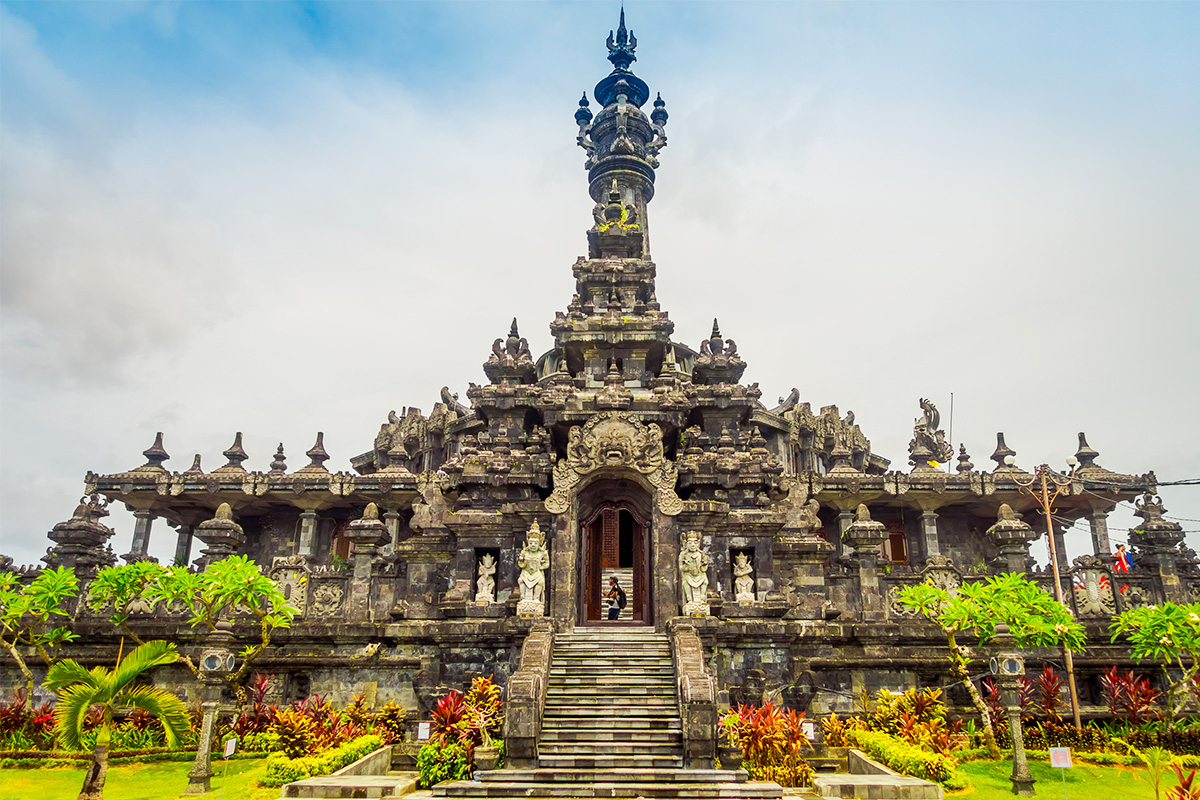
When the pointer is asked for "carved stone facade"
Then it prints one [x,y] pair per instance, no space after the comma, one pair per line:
[776,534]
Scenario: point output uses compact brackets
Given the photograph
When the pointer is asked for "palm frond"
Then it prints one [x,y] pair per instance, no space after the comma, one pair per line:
[151,654]
[67,672]
[169,709]
[69,713]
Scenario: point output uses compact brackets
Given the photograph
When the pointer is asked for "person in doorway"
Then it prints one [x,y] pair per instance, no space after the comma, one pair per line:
[1123,559]
[615,597]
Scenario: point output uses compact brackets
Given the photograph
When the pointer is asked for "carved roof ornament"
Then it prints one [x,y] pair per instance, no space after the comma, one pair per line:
[616,232]
[1085,454]
[279,463]
[195,470]
[928,449]
[787,403]
[317,455]
[1155,534]
[236,456]
[155,455]
[718,361]
[510,361]
[613,440]
[964,460]
[1002,452]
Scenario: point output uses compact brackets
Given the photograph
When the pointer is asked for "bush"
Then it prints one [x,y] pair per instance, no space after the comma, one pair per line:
[263,742]
[389,722]
[907,759]
[296,733]
[771,740]
[442,762]
[281,769]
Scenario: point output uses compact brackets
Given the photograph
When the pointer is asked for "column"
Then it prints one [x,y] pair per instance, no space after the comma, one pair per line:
[142,519]
[929,534]
[1060,546]
[391,518]
[183,545]
[1100,543]
[845,519]
[308,533]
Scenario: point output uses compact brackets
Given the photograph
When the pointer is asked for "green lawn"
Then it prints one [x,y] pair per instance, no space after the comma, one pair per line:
[989,780]
[161,781]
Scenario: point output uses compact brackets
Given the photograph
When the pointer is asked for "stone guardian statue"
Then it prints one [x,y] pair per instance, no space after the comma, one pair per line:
[533,560]
[743,582]
[485,583]
[693,576]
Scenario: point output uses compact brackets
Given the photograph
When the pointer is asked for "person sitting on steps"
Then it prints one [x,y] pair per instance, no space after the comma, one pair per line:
[615,597]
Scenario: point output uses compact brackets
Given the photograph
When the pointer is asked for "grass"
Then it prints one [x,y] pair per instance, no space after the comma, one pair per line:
[989,781]
[161,781]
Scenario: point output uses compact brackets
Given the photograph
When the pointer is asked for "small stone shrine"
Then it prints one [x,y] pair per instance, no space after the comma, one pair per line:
[768,541]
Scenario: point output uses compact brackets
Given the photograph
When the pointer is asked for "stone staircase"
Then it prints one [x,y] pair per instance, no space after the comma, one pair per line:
[611,728]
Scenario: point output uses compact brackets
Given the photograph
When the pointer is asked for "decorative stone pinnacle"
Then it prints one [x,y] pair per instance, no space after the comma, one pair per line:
[279,463]
[716,329]
[659,115]
[317,453]
[583,115]
[224,511]
[513,332]
[964,460]
[195,468]
[621,48]
[1002,451]
[1085,454]
[155,455]
[864,534]
[235,454]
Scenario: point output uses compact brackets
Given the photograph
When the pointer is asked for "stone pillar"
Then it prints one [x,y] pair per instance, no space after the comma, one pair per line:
[142,520]
[1158,542]
[1100,543]
[391,518]
[367,535]
[183,545]
[308,534]
[221,535]
[929,534]
[1060,547]
[1011,537]
[801,569]
[865,535]
[845,520]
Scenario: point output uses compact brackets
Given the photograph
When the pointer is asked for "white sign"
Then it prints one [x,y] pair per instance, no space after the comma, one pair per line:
[422,731]
[230,747]
[1060,757]
[809,731]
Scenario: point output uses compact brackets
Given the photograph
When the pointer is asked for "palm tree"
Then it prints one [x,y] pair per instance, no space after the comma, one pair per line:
[79,690]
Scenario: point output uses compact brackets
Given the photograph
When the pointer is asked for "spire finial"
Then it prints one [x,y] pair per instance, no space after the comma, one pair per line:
[716,331]
[621,46]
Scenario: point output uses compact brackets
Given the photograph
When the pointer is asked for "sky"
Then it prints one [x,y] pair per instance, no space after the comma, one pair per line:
[279,218]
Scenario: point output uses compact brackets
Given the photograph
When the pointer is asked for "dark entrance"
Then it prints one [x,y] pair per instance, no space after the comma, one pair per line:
[616,542]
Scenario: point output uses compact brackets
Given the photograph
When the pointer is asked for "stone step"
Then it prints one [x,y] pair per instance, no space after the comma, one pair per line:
[700,791]
[582,701]
[885,787]
[620,712]
[637,724]
[610,761]
[562,691]
[555,735]
[606,680]
[609,776]
[596,748]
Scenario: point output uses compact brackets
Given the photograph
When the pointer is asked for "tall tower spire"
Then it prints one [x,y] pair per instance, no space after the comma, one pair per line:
[622,144]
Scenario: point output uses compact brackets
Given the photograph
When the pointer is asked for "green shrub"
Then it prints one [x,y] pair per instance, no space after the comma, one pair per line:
[905,758]
[281,769]
[261,742]
[442,762]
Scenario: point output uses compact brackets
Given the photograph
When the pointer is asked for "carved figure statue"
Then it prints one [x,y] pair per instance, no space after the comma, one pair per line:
[928,443]
[485,584]
[743,583]
[693,575]
[533,560]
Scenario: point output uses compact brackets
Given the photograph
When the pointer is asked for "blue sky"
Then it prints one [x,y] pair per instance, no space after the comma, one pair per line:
[249,216]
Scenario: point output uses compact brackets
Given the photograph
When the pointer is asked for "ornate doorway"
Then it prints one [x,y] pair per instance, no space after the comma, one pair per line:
[616,543]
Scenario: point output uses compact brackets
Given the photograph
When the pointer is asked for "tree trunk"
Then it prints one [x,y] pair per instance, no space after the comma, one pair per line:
[93,783]
[958,666]
[25,671]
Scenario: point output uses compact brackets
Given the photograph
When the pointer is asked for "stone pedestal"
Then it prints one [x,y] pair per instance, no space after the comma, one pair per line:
[800,562]
[1012,537]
